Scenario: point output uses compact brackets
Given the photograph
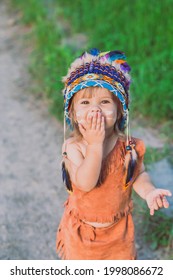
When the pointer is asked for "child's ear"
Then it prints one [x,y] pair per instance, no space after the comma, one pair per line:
[74,117]
[119,115]
[120,112]
[72,113]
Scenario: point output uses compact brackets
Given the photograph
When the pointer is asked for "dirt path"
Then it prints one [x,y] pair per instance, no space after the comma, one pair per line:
[31,190]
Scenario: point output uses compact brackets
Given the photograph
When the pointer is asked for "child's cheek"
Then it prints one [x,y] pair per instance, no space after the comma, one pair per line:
[109,114]
[80,117]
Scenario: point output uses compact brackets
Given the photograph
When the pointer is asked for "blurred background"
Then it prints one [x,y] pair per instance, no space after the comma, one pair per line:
[42,37]
[63,29]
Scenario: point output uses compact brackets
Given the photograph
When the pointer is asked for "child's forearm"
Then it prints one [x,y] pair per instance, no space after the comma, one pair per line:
[88,173]
[143,185]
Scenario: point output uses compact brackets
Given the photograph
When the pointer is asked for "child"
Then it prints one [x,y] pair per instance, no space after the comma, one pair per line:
[101,163]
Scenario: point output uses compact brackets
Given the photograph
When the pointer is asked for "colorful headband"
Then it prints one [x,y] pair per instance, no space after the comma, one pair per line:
[95,69]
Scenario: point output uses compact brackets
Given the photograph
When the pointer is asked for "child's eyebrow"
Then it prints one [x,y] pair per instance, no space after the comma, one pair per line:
[106,97]
[102,97]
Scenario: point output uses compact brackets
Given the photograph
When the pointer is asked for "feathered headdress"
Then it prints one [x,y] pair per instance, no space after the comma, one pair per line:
[106,70]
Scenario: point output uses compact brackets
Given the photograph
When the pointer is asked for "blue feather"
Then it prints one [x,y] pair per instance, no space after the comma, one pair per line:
[114,55]
[66,177]
[94,51]
[130,169]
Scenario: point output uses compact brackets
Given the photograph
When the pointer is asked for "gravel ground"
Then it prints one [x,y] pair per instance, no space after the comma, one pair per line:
[31,190]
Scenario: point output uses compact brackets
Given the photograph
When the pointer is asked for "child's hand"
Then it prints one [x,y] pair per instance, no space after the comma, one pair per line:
[156,199]
[94,130]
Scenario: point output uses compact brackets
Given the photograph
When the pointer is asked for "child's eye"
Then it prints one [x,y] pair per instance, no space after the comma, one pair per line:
[105,101]
[85,102]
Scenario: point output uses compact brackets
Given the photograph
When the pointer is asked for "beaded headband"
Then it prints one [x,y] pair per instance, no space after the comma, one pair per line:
[96,69]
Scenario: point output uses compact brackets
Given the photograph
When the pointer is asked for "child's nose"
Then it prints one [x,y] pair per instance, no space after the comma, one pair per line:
[96,109]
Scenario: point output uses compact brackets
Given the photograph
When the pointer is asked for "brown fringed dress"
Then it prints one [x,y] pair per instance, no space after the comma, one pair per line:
[110,201]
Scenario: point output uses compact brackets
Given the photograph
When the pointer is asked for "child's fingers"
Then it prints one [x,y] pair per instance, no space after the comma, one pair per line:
[99,120]
[94,121]
[102,123]
[162,202]
[81,128]
[89,121]
[155,205]
[159,201]
[165,202]
[151,211]
[168,193]
[164,192]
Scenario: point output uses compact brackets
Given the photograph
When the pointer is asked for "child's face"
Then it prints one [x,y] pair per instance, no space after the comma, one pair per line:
[92,101]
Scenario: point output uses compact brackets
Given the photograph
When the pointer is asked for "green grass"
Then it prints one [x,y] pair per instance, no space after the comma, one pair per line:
[153,155]
[167,129]
[143,29]
[157,230]
[49,59]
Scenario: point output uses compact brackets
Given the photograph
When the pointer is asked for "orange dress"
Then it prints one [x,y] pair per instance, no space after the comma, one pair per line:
[110,201]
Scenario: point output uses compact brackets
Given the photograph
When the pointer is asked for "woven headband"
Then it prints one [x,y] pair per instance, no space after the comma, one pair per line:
[95,69]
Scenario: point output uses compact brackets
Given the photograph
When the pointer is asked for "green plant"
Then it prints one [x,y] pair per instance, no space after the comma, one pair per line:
[153,155]
[167,129]
[31,10]
[148,45]
[157,230]
[49,59]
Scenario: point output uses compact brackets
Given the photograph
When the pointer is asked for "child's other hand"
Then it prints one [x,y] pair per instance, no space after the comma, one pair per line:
[156,199]
[94,130]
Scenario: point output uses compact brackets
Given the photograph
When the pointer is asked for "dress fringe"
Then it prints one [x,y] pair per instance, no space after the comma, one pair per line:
[114,217]
[60,247]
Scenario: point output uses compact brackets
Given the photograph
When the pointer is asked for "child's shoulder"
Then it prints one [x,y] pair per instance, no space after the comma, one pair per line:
[72,150]
[71,144]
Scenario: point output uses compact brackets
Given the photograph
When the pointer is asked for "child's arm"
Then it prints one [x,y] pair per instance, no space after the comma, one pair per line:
[154,197]
[84,172]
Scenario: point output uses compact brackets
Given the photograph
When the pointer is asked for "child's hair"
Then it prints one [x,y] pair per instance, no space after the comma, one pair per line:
[87,93]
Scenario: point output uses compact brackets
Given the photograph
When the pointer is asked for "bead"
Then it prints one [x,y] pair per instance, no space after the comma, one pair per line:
[128,148]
